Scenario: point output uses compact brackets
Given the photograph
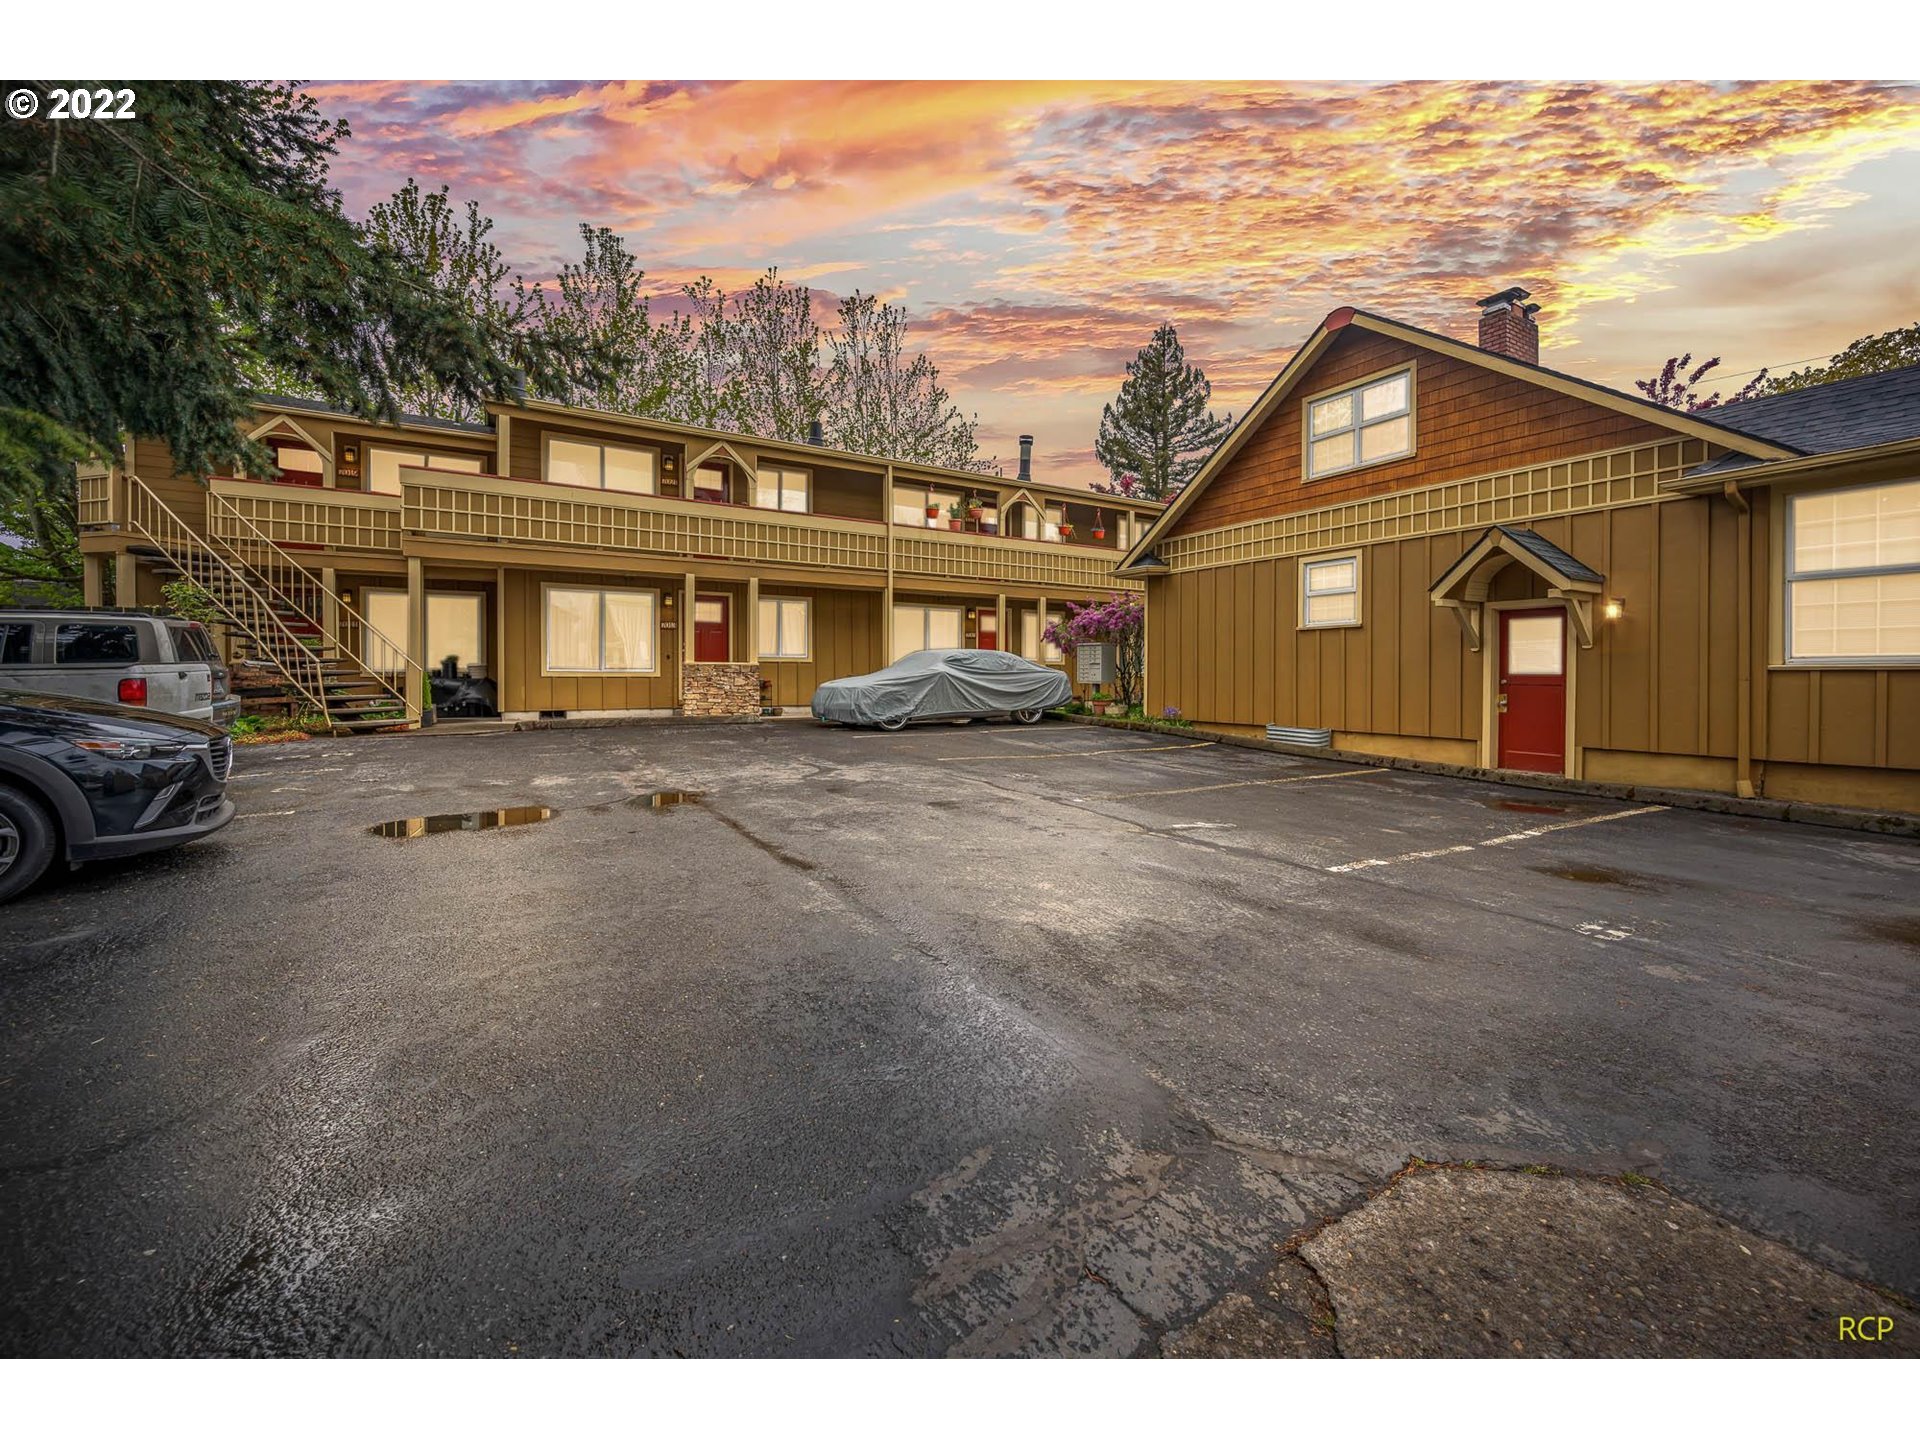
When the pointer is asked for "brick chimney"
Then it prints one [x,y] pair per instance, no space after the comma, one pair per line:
[1507,326]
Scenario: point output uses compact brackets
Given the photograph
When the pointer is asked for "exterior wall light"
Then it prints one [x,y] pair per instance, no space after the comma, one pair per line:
[1613,609]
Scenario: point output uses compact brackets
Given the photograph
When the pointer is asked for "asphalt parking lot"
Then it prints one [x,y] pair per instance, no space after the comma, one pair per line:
[963,1040]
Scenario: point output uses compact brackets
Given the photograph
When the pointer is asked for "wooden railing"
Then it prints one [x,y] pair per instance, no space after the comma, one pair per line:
[305,515]
[95,496]
[1067,568]
[450,507]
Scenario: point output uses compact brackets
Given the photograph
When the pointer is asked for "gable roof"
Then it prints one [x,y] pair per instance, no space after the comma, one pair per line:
[1823,419]
[1329,329]
[1467,577]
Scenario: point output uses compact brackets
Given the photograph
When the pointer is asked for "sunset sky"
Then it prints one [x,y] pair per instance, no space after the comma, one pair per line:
[1037,232]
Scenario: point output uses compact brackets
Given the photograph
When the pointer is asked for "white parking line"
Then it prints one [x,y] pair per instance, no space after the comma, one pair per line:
[287,774]
[1069,754]
[265,814]
[1242,784]
[1508,839]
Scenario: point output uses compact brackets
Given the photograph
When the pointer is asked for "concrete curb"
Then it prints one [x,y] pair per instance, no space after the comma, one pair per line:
[1839,817]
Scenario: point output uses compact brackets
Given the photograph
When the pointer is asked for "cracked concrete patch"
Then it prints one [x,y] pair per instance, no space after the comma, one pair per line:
[1455,1262]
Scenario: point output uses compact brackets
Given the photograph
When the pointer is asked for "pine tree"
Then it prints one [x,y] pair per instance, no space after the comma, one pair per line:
[1159,427]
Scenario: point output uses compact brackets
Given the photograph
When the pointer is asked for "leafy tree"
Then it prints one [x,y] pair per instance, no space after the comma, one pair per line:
[1126,486]
[152,268]
[1159,427]
[1121,621]
[450,255]
[880,402]
[598,311]
[39,523]
[1868,355]
[775,346]
[1674,386]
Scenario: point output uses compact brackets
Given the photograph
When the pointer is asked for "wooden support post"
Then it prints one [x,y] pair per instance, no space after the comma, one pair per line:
[497,648]
[752,637]
[886,598]
[93,580]
[1743,642]
[502,452]
[330,611]
[1000,622]
[683,652]
[416,634]
[126,581]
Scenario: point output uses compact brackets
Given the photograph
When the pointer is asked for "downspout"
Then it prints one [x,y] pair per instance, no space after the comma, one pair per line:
[1743,608]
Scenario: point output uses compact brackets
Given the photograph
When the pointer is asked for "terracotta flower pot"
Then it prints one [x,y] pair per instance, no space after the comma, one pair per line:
[1066,532]
[955,524]
[1099,534]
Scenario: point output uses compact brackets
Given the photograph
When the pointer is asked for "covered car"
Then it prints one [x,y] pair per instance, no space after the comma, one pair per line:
[943,685]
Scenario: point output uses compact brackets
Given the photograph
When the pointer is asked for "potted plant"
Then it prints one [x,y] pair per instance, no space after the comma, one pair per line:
[957,515]
[1066,529]
[1099,525]
[933,507]
[974,507]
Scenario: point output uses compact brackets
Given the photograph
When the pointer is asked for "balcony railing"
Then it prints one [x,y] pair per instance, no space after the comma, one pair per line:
[446,506]
[304,515]
[1049,564]
[95,497]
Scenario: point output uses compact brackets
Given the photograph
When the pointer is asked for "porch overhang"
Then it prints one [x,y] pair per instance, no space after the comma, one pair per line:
[1464,586]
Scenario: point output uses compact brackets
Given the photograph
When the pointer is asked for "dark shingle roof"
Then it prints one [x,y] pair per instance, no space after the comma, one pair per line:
[1841,415]
[296,405]
[1544,549]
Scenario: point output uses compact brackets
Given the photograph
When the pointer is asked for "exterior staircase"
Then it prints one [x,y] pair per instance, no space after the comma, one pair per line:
[280,611]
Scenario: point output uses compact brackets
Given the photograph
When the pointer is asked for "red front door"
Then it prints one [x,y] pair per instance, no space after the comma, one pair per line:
[1531,703]
[712,634]
[987,631]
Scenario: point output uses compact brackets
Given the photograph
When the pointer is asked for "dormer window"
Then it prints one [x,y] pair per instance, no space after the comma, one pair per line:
[1364,425]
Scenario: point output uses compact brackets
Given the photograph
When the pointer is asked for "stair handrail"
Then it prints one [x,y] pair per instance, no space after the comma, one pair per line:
[181,537]
[409,693]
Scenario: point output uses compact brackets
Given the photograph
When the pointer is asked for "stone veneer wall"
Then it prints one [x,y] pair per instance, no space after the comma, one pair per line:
[714,690]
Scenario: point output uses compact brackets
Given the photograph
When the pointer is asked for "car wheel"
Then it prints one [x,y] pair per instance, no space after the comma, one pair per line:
[26,841]
[1028,717]
[898,722]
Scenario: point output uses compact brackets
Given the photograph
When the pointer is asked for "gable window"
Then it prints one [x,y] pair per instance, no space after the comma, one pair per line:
[785,627]
[383,466]
[298,464]
[781,487]
[1330,592]
[602,467]
[1853,574]
[1361,426]
[710,483]
[601,632]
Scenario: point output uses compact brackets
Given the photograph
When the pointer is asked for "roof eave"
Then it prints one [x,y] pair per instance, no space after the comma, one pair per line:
[1796,467]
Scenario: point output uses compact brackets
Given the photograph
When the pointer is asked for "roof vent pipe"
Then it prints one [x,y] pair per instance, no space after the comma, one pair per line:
[1026,458]
[815,435]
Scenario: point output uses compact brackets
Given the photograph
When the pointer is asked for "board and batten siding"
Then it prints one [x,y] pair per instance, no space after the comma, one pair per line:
[845,641]
[524,688]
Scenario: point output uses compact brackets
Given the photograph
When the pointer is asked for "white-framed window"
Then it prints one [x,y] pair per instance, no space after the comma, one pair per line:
[1853,574]
[1330,591]
[786,627]
[783,487]
[603,467]
[928,627]
[456,626]
[600,632]
[1033,644]
[383,466]
[1365,425]
[298,464]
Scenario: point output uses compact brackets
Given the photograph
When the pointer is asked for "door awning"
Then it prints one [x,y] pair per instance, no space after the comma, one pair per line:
[1463,587]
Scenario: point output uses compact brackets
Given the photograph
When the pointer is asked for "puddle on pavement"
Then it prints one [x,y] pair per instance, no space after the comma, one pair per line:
[418,825]
[1598,875]
[665,799]
[1524,807]
[1902,930]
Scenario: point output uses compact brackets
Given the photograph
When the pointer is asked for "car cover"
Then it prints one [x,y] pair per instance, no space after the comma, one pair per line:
[942,684]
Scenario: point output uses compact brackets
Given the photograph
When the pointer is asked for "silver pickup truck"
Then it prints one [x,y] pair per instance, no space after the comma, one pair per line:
[124,657]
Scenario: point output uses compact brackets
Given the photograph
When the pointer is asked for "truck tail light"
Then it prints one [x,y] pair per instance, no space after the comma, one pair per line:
[133,692]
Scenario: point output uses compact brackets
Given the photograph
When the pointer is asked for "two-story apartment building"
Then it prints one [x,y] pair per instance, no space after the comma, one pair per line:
[577,562]
[1448,552]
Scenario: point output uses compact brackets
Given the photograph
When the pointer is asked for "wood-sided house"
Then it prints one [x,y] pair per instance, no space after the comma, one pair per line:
[576,562]
[1449,552]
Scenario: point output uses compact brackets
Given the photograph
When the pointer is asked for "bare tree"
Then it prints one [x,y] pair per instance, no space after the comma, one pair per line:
[881,402]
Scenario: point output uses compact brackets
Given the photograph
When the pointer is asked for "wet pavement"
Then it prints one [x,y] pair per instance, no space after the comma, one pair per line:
[963,1040]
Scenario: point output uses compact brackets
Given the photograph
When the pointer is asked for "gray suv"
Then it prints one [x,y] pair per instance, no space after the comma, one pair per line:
[123,657]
